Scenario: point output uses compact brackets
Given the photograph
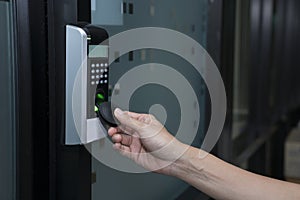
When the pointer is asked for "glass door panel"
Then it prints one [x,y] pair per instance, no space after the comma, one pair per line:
[115,16]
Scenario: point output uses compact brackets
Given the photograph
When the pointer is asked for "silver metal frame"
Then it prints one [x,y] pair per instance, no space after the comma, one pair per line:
[79,129]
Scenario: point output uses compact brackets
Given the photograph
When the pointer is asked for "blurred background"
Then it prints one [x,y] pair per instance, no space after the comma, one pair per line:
[254,43]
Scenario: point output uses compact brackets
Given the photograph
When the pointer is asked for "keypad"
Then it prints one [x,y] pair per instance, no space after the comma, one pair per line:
[99,73]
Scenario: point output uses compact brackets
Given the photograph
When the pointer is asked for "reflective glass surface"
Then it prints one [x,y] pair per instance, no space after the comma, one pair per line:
[7,104]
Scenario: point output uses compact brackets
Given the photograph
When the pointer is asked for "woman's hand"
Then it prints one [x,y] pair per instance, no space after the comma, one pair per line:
[143,139]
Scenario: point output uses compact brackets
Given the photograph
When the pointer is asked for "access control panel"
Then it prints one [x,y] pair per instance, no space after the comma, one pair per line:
[97,64]
[87,70]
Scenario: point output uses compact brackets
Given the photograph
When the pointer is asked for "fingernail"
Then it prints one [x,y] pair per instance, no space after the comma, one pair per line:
[118,112]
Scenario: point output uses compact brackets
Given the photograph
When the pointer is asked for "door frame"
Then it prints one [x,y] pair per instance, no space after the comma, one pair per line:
[45,167]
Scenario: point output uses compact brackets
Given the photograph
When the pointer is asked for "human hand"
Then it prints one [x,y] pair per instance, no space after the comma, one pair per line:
[143,139]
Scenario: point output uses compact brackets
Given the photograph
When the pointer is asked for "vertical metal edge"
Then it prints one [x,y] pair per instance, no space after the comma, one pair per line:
[83,134]
[76,52]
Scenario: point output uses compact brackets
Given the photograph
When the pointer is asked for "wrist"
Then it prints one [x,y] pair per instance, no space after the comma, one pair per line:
[191,162]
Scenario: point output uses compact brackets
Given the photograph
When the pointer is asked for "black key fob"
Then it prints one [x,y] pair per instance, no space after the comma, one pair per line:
[105,114]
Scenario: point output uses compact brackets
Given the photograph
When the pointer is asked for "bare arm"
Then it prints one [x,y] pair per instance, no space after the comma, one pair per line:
[224,181]
[144,140]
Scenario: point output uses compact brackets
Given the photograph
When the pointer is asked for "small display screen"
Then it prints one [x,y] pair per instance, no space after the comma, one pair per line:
[98,51]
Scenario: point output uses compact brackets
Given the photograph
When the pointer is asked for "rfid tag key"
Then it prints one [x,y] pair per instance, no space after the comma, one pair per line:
[105,113]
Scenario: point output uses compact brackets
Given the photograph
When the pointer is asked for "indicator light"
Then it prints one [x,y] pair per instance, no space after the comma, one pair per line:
[96,109]
[100,96]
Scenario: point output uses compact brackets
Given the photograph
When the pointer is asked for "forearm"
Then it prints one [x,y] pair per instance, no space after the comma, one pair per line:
[221,180]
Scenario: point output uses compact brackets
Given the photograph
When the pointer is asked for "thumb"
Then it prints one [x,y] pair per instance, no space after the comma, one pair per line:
[127,121]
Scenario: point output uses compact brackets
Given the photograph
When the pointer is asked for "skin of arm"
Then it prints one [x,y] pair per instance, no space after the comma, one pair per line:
[143,139]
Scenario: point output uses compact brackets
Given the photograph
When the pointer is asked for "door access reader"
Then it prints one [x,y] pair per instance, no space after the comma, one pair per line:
[86,82]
